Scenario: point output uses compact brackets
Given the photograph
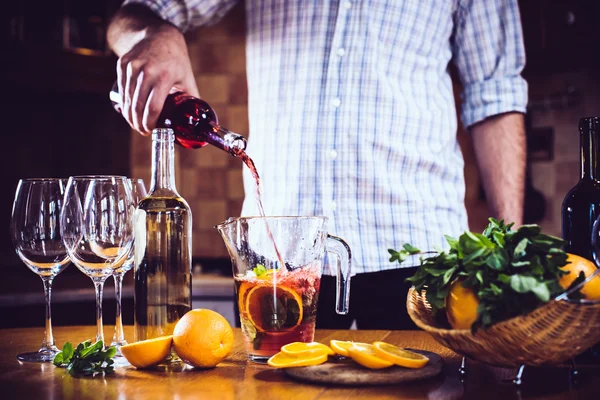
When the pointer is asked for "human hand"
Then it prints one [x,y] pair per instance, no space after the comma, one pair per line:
[156,65]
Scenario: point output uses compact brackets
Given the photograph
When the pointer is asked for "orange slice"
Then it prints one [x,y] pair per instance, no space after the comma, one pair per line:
[301,348]
[272,308]
[365,355]
[149,352]
[341,347]
[398,356]
[283,360]
[243,294]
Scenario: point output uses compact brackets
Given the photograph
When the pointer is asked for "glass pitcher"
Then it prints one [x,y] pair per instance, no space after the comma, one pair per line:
[277,266]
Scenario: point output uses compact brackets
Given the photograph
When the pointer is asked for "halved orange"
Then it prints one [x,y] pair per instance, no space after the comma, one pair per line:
[149,352]
[274,308]
[365,355]
[399,356]
[283,360]
[340,347]
[302,348]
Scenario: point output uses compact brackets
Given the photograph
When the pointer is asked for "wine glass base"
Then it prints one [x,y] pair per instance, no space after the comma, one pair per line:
[43,355]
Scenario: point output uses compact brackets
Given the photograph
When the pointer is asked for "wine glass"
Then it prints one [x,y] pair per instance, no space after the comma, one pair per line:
[97,228]
[35,232]
[138,192]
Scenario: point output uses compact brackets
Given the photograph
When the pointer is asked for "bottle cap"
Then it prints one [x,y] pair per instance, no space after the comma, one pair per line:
[589,124]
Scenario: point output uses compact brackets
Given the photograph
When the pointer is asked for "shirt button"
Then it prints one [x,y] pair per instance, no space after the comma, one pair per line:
[333,154]
[340,52]
[336,102]
[347,5]
[333,205]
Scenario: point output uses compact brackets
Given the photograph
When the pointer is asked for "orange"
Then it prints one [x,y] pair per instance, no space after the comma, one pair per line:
[461,306]
[398,356]
[283,360]
[301,348]
[341,347]
[365,355]
[577,264]
[203,338]
[149,352]
[264,302]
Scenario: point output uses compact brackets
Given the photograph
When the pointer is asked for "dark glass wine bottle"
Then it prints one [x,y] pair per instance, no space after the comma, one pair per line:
[194,122]
[581,206]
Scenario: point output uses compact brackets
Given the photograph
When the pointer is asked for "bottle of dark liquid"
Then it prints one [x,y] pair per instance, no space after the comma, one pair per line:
[194,122]
[163,248]
[581,206]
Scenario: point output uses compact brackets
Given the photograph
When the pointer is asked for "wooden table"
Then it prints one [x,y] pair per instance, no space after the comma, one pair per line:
[236,378]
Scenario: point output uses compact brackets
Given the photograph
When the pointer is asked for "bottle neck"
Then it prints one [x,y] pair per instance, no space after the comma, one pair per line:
[589,152]
[163,163]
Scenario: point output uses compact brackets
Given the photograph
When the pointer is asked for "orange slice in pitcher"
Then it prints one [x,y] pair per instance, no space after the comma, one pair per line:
[243,295]
[272,308]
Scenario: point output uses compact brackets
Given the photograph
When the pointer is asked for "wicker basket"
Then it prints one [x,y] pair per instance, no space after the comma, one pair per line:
[549,335]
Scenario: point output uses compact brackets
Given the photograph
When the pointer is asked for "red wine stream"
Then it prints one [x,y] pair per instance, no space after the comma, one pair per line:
[250,164]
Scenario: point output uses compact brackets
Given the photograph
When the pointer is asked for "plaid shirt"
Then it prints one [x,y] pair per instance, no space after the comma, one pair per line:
[352,113]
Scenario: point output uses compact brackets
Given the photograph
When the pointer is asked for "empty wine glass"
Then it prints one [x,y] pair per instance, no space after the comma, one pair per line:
[138,192]
[97,228]
[35,232]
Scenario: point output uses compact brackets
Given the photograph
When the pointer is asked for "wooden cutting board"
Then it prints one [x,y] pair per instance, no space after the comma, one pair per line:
[345,371]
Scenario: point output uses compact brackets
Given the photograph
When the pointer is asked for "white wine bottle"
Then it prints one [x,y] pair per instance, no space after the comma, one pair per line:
[163,247]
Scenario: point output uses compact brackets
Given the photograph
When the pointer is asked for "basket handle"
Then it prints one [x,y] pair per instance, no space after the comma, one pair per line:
[564,295]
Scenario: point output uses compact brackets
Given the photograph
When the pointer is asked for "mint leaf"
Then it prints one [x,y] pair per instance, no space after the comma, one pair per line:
[411,249]
[260,270]
[86,359]
[522,284]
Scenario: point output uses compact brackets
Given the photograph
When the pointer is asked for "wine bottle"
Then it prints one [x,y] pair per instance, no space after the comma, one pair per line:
[581,205]
[194,122]
[162,249]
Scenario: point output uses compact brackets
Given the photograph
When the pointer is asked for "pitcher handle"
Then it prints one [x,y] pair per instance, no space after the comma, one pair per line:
[340,248]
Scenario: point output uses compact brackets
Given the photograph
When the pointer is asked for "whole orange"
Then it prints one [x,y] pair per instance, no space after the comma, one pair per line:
[461,306]
[203,338]
[575,265]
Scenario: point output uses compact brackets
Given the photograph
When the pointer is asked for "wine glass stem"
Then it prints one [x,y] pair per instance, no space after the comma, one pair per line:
[99,285]
[48,342]
[119,336]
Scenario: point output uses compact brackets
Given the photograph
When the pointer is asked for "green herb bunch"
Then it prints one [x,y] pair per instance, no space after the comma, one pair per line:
[87,359]
[512,272]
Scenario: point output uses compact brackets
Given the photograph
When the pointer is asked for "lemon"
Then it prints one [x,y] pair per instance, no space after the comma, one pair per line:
[398,356]
[284,360]
[301,348]
[149,352]
[340,347]
[365,355]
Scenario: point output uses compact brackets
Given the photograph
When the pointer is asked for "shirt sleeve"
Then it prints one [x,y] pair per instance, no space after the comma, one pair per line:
[188,14]
[489,54]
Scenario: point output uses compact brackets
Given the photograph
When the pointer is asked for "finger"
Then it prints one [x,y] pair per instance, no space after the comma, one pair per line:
[140,99]
[154,106]
[190,85]
[130,86]
[121,76]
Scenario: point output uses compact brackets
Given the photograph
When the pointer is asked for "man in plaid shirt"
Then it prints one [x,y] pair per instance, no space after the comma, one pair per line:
[352,116]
